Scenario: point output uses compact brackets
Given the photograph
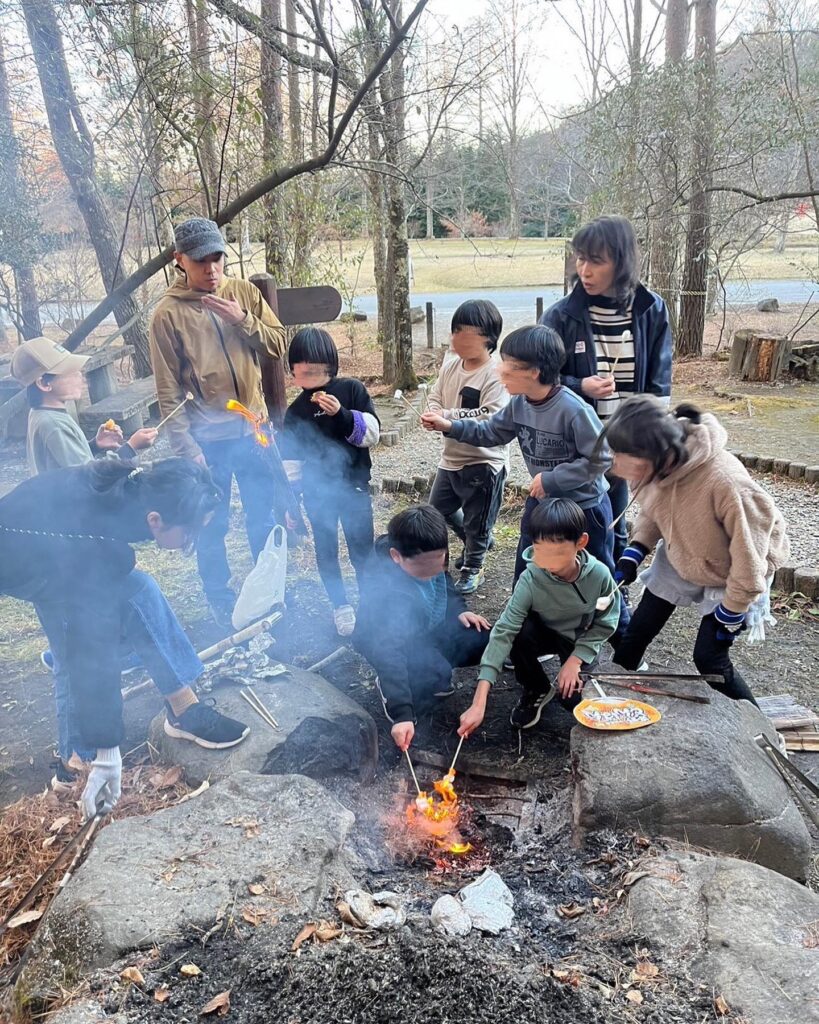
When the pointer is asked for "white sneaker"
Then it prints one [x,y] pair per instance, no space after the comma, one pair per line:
[344,618]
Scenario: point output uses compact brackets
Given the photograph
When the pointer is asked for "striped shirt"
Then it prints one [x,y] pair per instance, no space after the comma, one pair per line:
[613,336]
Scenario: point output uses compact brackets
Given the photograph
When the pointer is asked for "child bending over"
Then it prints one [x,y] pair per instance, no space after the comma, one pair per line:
[565,603]
[328,432]
[468,487]
[413,626]
[718,535]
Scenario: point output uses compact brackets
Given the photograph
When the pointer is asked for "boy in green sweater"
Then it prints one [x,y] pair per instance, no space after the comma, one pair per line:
[565,603]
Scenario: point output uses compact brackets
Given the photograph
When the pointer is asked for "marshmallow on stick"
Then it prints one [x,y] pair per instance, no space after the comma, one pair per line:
[188,398]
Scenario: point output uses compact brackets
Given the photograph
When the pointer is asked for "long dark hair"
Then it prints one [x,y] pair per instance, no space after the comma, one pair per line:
[180,490]
[645,429]
[613,237]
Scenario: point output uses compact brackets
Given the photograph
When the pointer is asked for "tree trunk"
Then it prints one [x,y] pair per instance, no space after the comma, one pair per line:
[430,200]
[202,90]
[695,270]
[635,58]
[398,367]
[378,219]
[275,239]
[664,228]
[20,212]
[74,146]
[293,90]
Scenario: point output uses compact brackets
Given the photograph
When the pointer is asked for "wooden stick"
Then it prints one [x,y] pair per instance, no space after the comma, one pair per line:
[188,397]
[455,758]
[328,660]
[695,698]
[636,677]
[400,394]
[412,772]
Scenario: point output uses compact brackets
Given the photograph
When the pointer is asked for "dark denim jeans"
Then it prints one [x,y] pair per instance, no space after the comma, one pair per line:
[246,461]
[150,630]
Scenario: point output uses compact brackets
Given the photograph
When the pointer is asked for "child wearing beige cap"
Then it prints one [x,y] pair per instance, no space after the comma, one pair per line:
[52,377]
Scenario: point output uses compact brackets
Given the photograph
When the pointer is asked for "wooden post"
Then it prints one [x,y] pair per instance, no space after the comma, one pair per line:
[538,308]
[568,267]
[758,356]
[272,369]
[430,327]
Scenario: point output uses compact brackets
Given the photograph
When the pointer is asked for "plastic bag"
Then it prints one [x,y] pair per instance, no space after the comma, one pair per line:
[264,586]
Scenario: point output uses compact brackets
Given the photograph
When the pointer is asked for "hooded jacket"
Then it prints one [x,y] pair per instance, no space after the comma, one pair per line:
[194,350]
[570,609]
[720,528]
[392,620]
[62,542]
[652,341]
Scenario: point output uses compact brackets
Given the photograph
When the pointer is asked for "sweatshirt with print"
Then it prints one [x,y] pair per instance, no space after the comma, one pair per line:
[570,609]
[557,439]
[461,394]
[721,529]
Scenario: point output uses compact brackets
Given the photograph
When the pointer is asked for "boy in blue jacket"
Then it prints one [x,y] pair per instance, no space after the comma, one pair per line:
[556,430]
[413,626]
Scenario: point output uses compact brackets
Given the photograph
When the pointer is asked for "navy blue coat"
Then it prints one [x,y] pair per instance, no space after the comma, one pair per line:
[652,341]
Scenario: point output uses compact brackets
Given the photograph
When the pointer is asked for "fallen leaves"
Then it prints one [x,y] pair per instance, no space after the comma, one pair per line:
[250,825]
[634,996]
[567,976]
[321,931]
[346,914]
[219,1005]
[162,994]
[570,910]
[59,823]
[133,975]
[189,971]
[256,889]
[168,779]
[25,918]
[721,1006]
[255,915]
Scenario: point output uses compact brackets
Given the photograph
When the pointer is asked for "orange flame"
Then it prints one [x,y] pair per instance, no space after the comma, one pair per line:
[439,818]
[257,422]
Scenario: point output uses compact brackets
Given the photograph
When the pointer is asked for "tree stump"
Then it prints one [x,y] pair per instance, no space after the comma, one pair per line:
[758,356]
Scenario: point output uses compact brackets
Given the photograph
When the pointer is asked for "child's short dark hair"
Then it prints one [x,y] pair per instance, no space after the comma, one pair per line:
[484,316]
[557,519]
[417,531]
[34,394]
[644,428]
[313,345]
[612,237]
[538,346]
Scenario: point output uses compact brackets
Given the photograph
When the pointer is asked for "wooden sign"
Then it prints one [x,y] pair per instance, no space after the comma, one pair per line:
[316,305]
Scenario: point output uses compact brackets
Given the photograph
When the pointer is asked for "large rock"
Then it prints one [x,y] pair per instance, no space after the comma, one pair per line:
[747,932]
[321,731]
[152,879]
[697,775]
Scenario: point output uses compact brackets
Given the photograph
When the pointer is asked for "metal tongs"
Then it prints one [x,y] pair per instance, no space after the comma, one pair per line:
[791,775]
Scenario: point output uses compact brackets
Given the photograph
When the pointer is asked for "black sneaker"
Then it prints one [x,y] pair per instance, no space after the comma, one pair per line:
[63,778]
[205,726]
[221,610]
[445,690]
[528,712]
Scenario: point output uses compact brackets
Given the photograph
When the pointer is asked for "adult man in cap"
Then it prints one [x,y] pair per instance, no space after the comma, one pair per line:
[206,335]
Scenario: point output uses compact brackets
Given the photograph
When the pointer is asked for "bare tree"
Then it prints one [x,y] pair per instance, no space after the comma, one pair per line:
[695,268]
[272,141]
[20,226]
[75,148]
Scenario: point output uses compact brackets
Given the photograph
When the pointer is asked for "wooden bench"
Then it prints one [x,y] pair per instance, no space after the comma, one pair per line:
[130,407]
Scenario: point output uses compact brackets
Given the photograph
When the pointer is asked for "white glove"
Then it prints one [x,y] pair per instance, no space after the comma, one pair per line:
[104,782]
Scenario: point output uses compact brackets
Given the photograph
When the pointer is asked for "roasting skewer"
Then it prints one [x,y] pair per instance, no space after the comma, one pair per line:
[258,706]
[412,773]
[399,396]
[455,758]
[188,398]
[634,677]
[639,688]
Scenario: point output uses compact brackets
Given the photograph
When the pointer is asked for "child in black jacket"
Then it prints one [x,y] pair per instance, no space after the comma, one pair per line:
[413,626]
[328,432]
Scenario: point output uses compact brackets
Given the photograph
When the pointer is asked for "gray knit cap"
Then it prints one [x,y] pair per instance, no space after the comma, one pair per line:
[198,237]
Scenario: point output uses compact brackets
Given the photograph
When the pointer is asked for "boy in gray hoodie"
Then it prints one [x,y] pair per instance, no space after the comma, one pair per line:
[565,603]
[557,433]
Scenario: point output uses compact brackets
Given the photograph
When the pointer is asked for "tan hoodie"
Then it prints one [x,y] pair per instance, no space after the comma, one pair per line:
[194,350]
[720,528]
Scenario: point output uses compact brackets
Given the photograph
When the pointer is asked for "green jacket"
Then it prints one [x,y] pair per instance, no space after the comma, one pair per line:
[567,608]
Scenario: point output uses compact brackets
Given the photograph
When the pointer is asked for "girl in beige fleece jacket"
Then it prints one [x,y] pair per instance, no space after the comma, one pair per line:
[718,535]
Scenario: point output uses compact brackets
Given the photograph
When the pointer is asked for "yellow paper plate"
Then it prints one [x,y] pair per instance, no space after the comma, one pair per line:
[613,715]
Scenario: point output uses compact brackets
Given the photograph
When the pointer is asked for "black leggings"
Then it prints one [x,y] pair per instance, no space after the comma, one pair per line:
[711,655]
[352,508]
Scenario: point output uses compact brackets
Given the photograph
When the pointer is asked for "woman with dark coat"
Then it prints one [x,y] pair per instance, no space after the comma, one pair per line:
[615,331]
[65,546]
